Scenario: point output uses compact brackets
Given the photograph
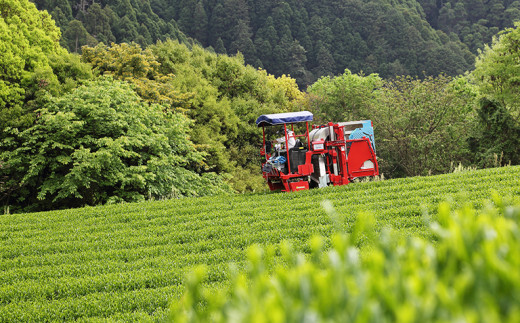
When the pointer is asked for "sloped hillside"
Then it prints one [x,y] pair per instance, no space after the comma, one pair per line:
[128,261]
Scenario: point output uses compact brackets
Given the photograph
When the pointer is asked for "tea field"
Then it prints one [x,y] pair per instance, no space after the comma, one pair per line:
[127,262]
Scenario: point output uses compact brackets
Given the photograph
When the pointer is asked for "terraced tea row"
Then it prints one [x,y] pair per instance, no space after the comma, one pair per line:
[128,261]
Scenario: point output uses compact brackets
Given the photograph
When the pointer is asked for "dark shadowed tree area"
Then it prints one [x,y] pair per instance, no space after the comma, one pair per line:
[305,39]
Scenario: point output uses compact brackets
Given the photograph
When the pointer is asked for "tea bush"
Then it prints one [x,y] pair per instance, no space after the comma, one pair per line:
[127,262]
[469,275]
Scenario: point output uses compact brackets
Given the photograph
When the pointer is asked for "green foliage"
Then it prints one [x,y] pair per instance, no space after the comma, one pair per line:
[469,274]
[473,22]
[215,125]
[75,36]
[497,73]
[129,62]
[124,61]
[221,95]
[32,66]
[343,98]
[70,71]
[101,143]
[419,125]
[496,76]
[289,37]
[27,37]
[497,136]
[126,262]
[89,22]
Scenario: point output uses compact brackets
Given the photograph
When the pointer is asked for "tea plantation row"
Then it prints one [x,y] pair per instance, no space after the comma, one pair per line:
[128,262]
[468,273]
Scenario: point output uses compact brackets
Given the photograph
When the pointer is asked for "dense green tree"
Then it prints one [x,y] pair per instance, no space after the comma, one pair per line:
[343,98]
[461,17]
[321,36]
[126,8]
[358,50]
[264,50]
[512,13]
[200,30]
[102,19]
[65,7]
[217,25]
[27,36]
[219,47]
[497,77]
[126,30]
[431,11]
[340,52]
[495,14]
[477,9]
[301,28]
[421,125]
[297,60]
[69,70]
[187,10]
[447,18]
[59,17]
[242,42]
[496,136]
[76,36]
[101,143]
[325,61]
[449,57]
[97,23]
[144,37]
[269,31]
[32,66]
[497,72]
[282,14]
[233,12]
[82,5]
[266,39]
[473,21]
[129,62]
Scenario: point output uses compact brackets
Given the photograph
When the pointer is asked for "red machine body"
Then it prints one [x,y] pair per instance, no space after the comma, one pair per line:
[331,154]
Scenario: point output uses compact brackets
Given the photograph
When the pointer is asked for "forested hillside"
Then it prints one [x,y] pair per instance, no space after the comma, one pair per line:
[125,122]
[85,22]
[305,39]
[473,21]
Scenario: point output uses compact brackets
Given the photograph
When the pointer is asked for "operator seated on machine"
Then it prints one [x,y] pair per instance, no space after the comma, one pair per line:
[281,141]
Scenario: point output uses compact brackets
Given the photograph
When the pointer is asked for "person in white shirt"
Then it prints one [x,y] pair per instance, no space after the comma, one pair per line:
[291,140]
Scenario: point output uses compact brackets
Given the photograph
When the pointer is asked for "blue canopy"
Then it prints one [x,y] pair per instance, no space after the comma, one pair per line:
[281,118]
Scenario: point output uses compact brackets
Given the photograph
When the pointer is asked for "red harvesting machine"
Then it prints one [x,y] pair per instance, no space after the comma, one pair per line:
[334,153]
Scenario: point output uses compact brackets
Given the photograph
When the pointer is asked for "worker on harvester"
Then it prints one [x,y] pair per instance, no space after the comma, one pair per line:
[330,154]
[290,144]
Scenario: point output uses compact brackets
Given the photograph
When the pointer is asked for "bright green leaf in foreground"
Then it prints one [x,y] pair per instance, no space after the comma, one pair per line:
[470,275]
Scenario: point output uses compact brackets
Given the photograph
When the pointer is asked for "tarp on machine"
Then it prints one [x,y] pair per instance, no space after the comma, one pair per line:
[281,118]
